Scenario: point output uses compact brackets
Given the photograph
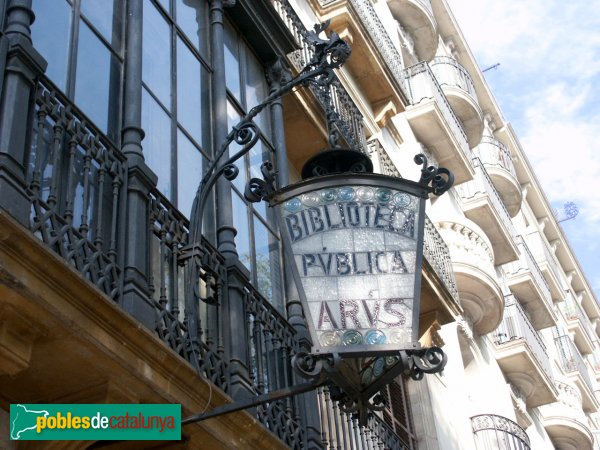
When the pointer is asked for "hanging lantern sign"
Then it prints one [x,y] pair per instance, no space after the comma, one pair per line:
[356,245]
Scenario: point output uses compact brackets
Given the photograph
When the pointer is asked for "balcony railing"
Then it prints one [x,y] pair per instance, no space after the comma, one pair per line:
[449,72]
[421,84]
[494,432]
[494,153]
[574,311]
[571,360]
[542,251]
[347,118]
[381,38]
[482,185]
[341,430]
[516,325]
[435,250]
[527,263]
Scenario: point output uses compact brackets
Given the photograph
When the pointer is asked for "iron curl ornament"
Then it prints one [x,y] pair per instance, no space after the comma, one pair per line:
[437,180]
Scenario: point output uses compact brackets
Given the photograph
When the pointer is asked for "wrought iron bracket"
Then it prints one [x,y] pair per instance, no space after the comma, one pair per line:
[329,54]
[253,401]
[436,180]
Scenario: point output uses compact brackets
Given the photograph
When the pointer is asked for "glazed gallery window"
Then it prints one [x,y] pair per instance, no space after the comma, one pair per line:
[75,35]
[175,97]
[257,240]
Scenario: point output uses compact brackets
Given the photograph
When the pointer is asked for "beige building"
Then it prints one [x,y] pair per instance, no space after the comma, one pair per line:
[107,113]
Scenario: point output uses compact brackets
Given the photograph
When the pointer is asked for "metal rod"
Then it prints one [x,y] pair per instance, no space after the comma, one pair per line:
[254,401]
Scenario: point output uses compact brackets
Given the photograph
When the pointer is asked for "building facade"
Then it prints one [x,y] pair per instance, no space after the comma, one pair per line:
[110,111]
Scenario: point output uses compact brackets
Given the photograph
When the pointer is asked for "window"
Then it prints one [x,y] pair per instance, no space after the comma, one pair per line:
[74,35]
[257,240]
[175,98]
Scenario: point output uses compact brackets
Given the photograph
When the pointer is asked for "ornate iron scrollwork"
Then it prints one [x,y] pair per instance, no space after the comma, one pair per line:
[422,361]
[440,179]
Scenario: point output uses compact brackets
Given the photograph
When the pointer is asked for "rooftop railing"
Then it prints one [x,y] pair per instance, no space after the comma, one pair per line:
[515,326]
[422,84]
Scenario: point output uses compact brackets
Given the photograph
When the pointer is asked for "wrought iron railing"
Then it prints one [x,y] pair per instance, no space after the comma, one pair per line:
[571,360]
[77,185]
[341,431]
[494,153]
[573,311]
[449,72]
[482,185]
[541,250]
[77,182]
[421,84]
[347,118]
[381,38]
[493,432]
[437,254]
[435,249]
[517,326]
[526,262]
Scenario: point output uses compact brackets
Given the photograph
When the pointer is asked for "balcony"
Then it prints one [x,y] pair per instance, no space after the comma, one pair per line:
[434,123]
[577,371]
[493,432]
[526,281]
[579,325]
[497,160]
[473,263]
[482,204]
[416,17]
[522,356]
[548,264]
[376,63]
[458,86]
[304,112]
[565,421]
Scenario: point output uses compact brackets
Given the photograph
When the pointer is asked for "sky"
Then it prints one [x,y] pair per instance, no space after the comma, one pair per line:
[548,87]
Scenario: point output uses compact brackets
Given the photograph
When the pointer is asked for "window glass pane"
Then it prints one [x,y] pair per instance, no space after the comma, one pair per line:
[240,222]
[156,65]
[232,63]
[268,269]
[257,90]
[157,143]
[92,87]
[191,99]
[191,17]
[100,14]
[233,118]
[189,173]
[50,34]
